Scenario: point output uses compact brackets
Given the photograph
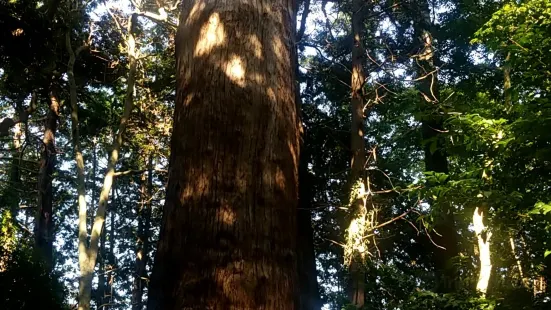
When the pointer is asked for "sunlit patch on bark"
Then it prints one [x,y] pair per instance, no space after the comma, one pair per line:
[271,94]
[278,46]
[258,78]
[235,70]
[256,46]
[226,214]
[194,13]
[212,35]
[361,226]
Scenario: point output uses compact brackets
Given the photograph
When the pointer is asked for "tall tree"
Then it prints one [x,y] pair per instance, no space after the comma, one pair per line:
[228,232]
[144,223]
[44,216]
[358,202]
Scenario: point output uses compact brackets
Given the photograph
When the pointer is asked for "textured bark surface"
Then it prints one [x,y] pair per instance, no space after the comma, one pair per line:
[435,158]
[356,285]
[44,223]
[228,233]
[507,81]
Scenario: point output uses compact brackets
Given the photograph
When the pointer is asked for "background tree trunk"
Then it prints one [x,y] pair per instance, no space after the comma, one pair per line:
[309,298]
[88,253]
[228,236]
[435,156]
[44,216]
[142,248]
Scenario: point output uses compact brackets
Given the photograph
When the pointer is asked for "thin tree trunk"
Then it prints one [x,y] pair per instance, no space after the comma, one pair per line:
[507,82]
[435,156]
[142,249]
[11,198]
[228,235]
[309,298]
[100,294]
[88,254]
[85,280]
[521,277]
[44,217]
[110,297]
[356,285]
[483,236]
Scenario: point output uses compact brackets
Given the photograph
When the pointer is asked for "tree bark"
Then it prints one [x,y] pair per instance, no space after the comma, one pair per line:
[142,249]
[228,236]
[507,82]
[356,280]
[435,157]
[44,217]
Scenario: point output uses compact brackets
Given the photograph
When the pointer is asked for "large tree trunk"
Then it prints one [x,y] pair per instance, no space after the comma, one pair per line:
[142,249]
[228,233]
[358,208]
[435,157]
[44,222]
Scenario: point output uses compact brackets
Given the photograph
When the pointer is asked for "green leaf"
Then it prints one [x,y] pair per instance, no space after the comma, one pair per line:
[433,147]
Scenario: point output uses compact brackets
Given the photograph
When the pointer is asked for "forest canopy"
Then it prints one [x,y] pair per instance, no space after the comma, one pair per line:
[275,154]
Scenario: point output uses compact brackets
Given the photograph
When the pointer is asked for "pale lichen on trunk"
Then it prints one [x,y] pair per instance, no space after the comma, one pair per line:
[483,236]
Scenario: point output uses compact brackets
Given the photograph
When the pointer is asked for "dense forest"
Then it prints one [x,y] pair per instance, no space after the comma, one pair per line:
[275,154]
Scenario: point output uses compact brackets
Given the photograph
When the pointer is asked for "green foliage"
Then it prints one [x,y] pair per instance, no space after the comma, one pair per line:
[429,300]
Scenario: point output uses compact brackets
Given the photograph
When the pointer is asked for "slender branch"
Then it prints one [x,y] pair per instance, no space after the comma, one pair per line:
[392,220]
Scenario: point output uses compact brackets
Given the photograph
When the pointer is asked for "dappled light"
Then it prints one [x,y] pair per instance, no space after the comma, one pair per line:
[212,34]
[235,70]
